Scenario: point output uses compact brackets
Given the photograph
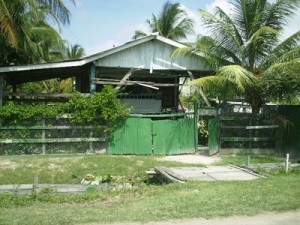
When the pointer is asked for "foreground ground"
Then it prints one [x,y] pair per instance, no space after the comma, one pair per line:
[149,202]
[288,218]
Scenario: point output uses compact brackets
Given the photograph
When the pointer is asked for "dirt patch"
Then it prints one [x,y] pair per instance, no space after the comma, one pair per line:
[191,159]
[63,159]
[140,163]
[287,218]
[55,167]
[7,164]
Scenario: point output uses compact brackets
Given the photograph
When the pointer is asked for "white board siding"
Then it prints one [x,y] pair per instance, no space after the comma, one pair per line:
[150,55]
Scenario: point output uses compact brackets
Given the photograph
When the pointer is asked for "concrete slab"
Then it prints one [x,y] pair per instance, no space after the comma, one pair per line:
[210,173]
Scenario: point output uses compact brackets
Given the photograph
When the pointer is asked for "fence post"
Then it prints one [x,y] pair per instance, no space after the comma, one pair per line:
[1,90]
[43,137]
[91,143]
[195,125]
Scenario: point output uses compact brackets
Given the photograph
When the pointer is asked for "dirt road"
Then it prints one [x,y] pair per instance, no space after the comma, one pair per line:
[288,218]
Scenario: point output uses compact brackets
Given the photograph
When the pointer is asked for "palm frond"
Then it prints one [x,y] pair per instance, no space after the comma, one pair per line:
[222,29]
[259,45]
[139,34]
[284,51]
[282,81]
[238,75]
[172,22]
[214,86]
[279,13]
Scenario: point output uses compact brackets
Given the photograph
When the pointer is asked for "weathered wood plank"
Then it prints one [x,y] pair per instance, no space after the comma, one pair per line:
[161,115]
[131,83]
[24,128]
[44,127]
[262,127]
[43,95]
[125,78]
[254,139]
[53,140]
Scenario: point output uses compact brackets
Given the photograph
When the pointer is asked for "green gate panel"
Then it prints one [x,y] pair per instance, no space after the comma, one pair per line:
[132,137]
[165,137]
[213,136]
[187,135]
[172,137]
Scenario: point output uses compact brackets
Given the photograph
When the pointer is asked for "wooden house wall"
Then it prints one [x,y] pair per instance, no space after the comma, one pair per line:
[150,55]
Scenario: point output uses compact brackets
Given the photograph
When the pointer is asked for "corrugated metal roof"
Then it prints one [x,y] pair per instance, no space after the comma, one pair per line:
[91,58]
[20,74]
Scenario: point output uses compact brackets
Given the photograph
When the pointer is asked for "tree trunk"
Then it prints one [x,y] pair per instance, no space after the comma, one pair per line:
[255,101]
[255,109]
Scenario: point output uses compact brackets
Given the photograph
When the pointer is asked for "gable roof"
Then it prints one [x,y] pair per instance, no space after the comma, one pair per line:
[29,73]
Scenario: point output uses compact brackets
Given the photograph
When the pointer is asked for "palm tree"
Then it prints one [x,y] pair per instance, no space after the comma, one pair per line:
[12,12]
[72,52]
[172,23]
[247,53]
[75,52]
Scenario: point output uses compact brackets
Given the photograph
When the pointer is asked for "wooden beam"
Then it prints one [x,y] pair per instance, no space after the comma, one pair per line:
[41,95]
[126,77]
[44,127]
[130,83]
[1,90]
[200,90]
[147,85]
[52,140]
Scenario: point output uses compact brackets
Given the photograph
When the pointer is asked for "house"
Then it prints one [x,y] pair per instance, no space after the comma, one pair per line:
[143,69]
[150,81]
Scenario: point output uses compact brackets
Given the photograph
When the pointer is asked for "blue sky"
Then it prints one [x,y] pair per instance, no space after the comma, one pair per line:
[98,25]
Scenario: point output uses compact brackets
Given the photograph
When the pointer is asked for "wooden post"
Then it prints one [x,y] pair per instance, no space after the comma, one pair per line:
[196,125]
[1,90]
[248,160]
[92,77]
[43,138]
[91,143]
[287,163]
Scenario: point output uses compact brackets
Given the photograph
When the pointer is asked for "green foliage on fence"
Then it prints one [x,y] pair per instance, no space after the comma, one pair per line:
[101,108]
[77,126]
[15,113]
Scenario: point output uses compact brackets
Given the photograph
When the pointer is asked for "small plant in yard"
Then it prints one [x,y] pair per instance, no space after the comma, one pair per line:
[203,132]
[90,179]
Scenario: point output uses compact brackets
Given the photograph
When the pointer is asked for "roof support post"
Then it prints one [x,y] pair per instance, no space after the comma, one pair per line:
[92,78]
[1,90]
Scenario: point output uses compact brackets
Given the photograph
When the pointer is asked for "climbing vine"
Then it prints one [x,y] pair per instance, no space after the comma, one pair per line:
[101,108]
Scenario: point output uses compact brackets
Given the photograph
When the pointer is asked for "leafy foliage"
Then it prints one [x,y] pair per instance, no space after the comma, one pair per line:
[171,23]
[16,113]
[247,53]
[101,108]
[27,31]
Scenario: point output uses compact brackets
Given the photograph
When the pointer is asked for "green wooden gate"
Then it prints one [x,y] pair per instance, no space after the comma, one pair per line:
[213,142]
[132,137]
[144,136]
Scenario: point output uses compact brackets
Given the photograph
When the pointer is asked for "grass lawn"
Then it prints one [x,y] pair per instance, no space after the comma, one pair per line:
[146,203]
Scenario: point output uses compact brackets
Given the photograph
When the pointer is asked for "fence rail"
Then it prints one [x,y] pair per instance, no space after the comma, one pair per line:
[52,136]
[246,132]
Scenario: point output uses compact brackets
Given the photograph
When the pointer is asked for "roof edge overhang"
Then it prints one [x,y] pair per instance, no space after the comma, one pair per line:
[91,58]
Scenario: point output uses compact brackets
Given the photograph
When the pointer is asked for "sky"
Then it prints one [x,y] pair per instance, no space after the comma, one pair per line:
[98,25]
